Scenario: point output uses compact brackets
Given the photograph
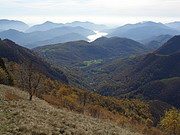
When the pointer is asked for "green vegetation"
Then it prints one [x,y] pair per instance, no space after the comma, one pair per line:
[169,79]
[132,56]
[160,55]
[97,70]
[45,50]
[88,63]
[146,76]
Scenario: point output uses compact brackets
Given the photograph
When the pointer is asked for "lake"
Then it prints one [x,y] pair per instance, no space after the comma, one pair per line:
[97,34]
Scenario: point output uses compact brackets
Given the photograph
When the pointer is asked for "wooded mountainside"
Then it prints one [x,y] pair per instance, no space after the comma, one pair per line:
[132,90]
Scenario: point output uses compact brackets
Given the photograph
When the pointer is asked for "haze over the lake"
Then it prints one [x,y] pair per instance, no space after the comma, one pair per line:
[115,12]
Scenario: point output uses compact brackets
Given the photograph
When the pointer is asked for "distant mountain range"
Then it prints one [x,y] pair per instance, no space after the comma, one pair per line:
[175,25]
[50,25]
[12,24]
[44,26]
[60,39]
[54,33]
[143,30]
[31,39]
[46,33]
[6,24]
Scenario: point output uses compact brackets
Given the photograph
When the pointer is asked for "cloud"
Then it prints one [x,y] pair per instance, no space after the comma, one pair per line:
[91,8]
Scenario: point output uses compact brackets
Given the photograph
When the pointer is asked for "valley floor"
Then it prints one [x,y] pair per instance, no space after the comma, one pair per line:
[20,116]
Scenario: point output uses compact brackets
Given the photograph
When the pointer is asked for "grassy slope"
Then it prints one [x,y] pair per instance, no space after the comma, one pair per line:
[40,118]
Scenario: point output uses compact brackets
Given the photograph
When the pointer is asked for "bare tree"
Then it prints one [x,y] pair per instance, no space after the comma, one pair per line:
[28,78]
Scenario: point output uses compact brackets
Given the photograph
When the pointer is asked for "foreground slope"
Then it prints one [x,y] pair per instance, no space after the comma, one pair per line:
[20,116]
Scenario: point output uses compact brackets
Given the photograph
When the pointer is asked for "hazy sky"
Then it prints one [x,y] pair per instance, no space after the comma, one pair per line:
[98,11]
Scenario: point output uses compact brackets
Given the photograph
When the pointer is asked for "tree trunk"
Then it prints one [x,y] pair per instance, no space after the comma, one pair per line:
[30,98]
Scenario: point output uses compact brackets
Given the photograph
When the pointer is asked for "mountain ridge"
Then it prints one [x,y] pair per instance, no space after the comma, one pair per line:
[19,54]
[144,30]
[151,71]
[81,58]
[6,24]
[28,38]
[171,46]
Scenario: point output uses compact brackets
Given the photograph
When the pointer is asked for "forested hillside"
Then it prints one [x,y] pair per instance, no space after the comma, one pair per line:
[15,53]
[83,59]
[79,51]
[90,67]
[153,75]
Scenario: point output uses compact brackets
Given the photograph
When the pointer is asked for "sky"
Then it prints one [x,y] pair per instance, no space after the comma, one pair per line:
[109,12]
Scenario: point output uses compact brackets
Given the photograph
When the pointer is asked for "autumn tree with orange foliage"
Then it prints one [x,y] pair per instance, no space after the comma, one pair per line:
[171,122]
[51,86]
[3,76]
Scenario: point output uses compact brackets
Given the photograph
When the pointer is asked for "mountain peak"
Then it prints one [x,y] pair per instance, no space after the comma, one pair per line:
[149,22]
[171,46]
[48,22]
[6,24]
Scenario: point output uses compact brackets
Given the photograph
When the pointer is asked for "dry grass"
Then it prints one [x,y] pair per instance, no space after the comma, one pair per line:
[52,100]
[37,117]
[11,96]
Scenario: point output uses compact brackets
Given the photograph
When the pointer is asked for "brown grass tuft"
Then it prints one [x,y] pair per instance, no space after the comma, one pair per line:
[52,100]
[12,97]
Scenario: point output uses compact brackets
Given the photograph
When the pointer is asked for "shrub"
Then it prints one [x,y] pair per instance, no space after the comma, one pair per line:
[171,122]
[3,76]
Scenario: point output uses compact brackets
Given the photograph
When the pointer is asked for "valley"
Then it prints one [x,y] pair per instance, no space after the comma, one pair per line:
[128,76]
